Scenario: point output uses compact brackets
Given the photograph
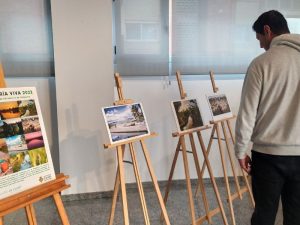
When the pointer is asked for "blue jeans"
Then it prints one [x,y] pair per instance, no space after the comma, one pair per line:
[274,177]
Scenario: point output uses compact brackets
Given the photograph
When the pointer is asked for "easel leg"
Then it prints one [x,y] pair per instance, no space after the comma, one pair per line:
[61,209]
[248,187]
[208,149]
[172,172]
[243,172]
[123,187]
[200,181]
[30,215]
[207,152]
[115,194]
[188,180]
[114,200]
[171,175]
[155,183]
[212,178]
[139,184]
[231,161]
[225,174]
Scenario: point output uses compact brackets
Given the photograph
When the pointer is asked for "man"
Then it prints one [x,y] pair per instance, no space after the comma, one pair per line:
[269,116]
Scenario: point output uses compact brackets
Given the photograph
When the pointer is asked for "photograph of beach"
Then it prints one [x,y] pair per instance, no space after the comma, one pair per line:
[125,121]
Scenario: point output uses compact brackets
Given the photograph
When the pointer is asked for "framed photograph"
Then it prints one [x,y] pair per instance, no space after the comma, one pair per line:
[125,122]
[219,106]
[187,114]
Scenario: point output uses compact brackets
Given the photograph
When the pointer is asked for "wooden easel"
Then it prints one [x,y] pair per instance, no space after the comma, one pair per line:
[181,147]
[216,129]
[26,198]
[120,180]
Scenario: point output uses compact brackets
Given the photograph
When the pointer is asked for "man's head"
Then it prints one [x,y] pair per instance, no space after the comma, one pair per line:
[269,25]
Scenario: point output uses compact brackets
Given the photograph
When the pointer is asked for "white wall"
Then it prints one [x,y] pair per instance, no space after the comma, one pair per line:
[156,95]
[84,83]
[82,35]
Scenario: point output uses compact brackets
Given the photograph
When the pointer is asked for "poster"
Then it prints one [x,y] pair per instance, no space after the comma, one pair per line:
[124,122]
[187,114]
[25,159]
[219,106]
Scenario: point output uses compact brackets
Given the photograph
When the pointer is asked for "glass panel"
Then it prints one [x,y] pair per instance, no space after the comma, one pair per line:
[26,47]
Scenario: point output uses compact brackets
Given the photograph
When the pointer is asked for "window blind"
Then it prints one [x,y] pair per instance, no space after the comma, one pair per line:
[205,35]
[141,28]
[217,34]
[26,47]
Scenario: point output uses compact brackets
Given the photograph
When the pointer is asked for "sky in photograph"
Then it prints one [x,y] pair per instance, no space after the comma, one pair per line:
[118,113]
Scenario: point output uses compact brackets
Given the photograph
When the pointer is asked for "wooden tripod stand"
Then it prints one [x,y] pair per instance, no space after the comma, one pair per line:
[26,198]
[225,124]
[120,180]
[181,147]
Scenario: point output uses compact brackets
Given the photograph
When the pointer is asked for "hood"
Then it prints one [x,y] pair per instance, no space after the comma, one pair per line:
[291,40]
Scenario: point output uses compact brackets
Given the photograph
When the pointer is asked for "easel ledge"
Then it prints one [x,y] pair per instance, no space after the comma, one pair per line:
[222,120]
[153,134]
[25,198]
[178,134]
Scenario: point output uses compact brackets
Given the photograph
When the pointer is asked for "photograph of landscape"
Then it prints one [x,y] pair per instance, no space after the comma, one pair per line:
[125,121]
[16,143]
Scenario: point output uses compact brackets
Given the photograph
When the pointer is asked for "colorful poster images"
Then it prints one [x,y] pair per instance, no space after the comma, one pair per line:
[27,108]
[187,114]
[219,106]
[11,127]
[31,124]
[125,122]
[16,143]
[9,110]
[25,159]
[34,140]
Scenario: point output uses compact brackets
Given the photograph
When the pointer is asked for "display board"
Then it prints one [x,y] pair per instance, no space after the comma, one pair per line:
[25,159]
[187,114]
[124,122]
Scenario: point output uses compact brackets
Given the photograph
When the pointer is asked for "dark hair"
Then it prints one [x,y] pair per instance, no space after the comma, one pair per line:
[274,19]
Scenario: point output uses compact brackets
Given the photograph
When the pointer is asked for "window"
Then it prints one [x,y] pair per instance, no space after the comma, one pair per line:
[141,28]
[199,36]
[26,47]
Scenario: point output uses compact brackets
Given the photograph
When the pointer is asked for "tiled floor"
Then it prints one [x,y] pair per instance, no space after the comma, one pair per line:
[96,211]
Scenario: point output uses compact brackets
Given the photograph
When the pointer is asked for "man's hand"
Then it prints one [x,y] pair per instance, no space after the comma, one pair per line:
[245,163]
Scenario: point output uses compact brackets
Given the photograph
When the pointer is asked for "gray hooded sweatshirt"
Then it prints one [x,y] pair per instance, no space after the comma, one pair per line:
[269,113]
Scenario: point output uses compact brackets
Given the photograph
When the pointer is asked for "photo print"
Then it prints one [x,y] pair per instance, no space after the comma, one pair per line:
[187,114]
[125,122]
[219,106]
